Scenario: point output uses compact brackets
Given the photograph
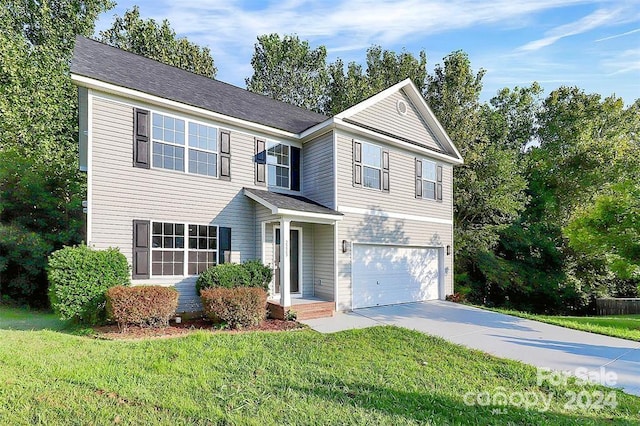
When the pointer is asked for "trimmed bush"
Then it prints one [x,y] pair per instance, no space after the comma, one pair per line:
[226,275]
[260,275]
[238,307]
[78,279]
[251,273]
[146,306]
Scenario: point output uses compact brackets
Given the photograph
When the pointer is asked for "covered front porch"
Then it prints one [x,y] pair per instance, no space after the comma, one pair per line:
[296,238]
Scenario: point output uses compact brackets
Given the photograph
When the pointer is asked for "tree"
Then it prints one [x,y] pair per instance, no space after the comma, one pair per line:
[384,69]
[40,186]
[158,41]
[289,70]
[610,228]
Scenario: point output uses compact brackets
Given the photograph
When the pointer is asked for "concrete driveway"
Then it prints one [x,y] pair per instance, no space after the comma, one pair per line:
[532,342]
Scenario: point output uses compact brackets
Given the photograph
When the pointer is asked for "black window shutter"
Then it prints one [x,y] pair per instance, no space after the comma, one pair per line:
[295,168]
[385,170]
[418,178]
[224,242]
[141,143]
[141,241]
[357,163]
[439,183]
[225,155]
[261,161]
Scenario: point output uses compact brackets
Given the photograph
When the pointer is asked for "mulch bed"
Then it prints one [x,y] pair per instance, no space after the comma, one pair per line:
[112,332]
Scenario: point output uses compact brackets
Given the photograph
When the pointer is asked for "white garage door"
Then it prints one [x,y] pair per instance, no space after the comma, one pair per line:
[386,275]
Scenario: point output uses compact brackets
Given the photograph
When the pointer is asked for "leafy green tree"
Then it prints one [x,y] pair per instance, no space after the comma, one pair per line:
[384,69]
[289,70]
[610,228]
[158,41]
[489,189]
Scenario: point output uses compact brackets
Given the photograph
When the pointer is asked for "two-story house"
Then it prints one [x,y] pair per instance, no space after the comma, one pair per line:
[184,172]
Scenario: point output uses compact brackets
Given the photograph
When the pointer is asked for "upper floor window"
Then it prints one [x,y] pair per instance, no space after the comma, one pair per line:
[203,148]
[169,145]
[278,165]
[429,179]
[371,165]
[168,142]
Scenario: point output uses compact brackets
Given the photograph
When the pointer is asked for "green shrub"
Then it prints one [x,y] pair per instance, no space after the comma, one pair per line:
[78,279]
[251,273]
[238,307]
[150,306]
[226,275]
[260,275]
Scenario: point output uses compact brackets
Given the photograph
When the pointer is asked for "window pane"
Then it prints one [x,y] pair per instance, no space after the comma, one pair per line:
[179,242]
[168,229]
[371,155]
[179,229]
[371,178]
[202,243]
[202,230]
[428,170]
[429,190]
[157,242]
[167,242]
[193,230]
[157,227]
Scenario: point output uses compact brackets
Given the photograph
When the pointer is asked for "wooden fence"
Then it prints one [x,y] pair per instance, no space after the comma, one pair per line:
[622,306]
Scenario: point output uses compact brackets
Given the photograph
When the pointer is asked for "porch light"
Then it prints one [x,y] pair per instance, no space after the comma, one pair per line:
[345,246]
[448,250]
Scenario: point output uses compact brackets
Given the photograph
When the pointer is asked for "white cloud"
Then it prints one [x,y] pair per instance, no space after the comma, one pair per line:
[596,19]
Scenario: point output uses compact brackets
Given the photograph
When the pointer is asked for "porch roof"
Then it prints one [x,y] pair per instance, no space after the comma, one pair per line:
[292,205]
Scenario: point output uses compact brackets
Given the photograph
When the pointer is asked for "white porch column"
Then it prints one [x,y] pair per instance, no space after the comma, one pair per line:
[285,262]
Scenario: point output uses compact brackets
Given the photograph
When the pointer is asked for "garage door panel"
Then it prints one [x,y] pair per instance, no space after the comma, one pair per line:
[384,275]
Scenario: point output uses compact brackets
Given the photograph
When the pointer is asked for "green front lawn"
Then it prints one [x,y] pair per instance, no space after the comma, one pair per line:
[381,375]
[622,326]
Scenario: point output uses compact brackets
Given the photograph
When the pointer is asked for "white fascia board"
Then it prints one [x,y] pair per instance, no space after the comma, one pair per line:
[417,98]
[157,100]
[331,218]
[373,100]
[392,141]
[258,199]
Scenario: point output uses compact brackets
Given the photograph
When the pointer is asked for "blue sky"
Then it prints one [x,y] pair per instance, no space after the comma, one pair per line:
[594,45]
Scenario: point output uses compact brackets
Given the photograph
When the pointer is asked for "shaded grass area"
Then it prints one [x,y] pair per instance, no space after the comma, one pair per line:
[622,326]
[380,375]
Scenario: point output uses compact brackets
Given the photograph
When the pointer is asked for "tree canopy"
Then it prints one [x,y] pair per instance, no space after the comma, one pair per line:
[158,41]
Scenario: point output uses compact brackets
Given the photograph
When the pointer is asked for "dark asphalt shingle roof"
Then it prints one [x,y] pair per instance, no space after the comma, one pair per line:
[111,65]
[292,202]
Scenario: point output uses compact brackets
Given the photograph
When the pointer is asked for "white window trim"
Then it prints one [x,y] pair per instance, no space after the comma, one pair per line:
[186,145]
[371,167]
[270,144]
[300,291]
[185,262]
[425,180]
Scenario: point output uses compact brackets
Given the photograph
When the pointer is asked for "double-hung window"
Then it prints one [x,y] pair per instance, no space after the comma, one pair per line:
[203,246]
[203,148]
[278,165]
[169,254]
[371,166]
[167,248]
[169,138]
[429,179]
[168,142]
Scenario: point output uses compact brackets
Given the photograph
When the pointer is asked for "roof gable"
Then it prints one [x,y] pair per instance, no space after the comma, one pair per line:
[124,69]
[401,112]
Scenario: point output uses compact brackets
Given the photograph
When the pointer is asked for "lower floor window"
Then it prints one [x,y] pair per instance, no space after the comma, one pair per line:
[170,255]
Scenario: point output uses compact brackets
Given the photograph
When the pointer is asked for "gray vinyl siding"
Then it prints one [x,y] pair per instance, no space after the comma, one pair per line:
[317,177]
[376,229]
[384,116]
[401,196]
[122,193]
[324,276]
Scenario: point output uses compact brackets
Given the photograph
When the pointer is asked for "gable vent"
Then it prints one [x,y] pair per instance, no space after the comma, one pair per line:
[401,106]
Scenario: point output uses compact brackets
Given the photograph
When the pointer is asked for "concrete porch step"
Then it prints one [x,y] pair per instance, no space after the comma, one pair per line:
[304,311]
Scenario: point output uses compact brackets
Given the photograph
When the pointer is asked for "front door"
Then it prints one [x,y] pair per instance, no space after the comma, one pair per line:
[294,264]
